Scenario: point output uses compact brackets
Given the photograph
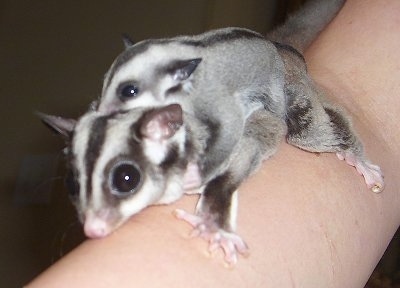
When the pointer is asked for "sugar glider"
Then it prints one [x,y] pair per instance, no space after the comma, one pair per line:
[199,114]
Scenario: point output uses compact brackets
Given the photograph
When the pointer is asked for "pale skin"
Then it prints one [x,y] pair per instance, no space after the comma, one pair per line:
[309,220]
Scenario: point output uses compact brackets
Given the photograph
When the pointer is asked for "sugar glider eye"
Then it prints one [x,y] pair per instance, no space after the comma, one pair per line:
[125,178]
[127,91]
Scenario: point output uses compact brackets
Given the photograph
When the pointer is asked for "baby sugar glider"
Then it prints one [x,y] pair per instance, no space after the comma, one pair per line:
[198,114]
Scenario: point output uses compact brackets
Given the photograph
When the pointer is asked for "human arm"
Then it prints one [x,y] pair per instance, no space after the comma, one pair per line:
[309,220]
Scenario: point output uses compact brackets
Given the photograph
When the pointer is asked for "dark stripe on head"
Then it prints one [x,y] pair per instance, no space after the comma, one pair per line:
[203,40]
[136,49]
[134,154]
[130,53]
[221,36]
[94,147]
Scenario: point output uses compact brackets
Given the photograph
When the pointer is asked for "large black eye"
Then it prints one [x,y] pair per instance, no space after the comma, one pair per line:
[125,179]
[128,91]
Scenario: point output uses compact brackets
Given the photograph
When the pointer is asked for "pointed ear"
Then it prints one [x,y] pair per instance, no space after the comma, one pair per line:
[128,42]
[182,69]
[62,126]
[161,123]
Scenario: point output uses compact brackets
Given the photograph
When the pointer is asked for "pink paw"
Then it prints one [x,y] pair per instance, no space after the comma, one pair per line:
[230,243]
[372,173]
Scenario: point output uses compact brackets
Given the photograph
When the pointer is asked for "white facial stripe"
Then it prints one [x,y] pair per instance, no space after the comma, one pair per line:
[137,68]
[117,134]
[155,150]
[116,143]
[142,68]
[80,143]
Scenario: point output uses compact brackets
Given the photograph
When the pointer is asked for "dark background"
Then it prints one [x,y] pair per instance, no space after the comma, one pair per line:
[53,55]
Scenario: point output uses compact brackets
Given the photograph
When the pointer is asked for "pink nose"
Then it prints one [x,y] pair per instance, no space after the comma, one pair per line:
[96,228]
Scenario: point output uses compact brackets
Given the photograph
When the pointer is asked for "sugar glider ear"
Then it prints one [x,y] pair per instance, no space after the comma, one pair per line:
[161,123]
[62,126]
[128,42]
[182,69]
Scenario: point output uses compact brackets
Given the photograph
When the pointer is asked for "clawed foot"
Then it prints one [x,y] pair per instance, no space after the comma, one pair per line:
[217,238]
[372,173]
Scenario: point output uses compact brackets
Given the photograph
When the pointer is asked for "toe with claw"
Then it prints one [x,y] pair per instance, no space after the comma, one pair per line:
[372,173]
[230,243]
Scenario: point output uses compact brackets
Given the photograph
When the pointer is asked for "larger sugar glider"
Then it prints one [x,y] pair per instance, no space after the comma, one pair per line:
[200,113]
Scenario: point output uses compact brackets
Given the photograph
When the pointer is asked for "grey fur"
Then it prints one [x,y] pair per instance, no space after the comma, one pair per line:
[240,94]
[299,29]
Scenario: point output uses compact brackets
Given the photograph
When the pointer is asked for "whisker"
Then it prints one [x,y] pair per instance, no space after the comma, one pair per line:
[60,244]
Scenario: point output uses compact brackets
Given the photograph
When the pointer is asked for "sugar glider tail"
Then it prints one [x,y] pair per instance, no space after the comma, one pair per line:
[303,26]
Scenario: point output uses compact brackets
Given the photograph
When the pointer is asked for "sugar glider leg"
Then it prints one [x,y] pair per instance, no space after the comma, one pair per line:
[215,218]
[321,127]
[214,222]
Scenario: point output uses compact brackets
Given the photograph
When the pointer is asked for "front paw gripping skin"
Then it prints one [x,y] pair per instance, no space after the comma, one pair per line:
[231,243]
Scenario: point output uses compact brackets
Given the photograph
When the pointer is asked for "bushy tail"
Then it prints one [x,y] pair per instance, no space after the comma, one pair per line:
[302,27]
